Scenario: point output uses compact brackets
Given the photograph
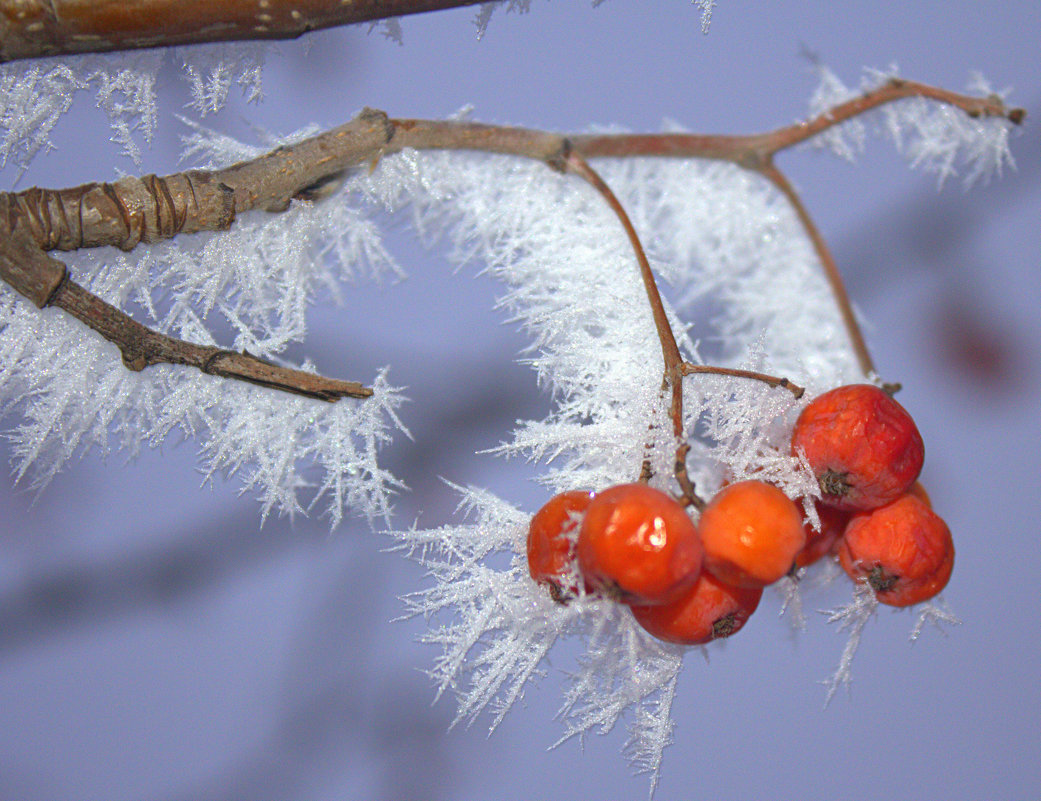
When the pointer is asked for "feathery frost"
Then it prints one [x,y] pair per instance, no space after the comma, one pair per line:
[932,136]
[34,97]
[70,390]
[739,270]
[743,287]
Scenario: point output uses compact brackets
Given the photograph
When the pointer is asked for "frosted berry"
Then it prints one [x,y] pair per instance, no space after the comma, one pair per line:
[862,445]
[551,543]
[903,550]
[751,532]
[638,545]
[706,611]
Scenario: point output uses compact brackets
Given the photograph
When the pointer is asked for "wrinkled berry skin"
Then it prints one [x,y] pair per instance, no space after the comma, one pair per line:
[638,545]
[863,446]
[751,532]
[904,550]
[551,552]
[708,610]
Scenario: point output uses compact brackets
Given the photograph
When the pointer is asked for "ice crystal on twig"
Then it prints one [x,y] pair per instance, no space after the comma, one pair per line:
[70,390]
[935,612]
[34,98]
[933,136]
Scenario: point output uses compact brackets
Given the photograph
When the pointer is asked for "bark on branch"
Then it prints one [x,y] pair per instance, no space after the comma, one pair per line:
[35,28]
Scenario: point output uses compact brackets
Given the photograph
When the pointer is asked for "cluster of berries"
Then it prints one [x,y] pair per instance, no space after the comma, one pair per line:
[690,584]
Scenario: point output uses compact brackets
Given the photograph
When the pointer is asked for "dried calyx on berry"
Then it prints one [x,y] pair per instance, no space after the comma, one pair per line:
[903,550]
[708,610]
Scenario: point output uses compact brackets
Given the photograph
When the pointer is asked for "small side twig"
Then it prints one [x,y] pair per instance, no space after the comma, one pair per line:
[142,347]
[687,368]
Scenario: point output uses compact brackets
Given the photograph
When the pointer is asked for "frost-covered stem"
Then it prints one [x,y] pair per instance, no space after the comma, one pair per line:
[754,150]
[831,270]
[149,209]
[688,368]
[142,347]
[574,163]
[670,349]
[35,28]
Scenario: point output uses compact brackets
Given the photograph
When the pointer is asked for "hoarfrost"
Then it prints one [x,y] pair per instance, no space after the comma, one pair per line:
[933,136]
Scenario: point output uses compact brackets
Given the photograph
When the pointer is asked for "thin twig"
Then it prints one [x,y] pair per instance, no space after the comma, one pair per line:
[687,368]
[574,163]
[831,270]
[142,347]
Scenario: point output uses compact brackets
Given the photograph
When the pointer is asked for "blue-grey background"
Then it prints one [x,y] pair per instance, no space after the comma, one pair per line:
[156,644]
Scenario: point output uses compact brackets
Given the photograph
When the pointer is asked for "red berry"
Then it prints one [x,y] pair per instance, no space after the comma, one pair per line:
[751,532]
[903,550]
[823,541]
[551,552]
[638,545]
[862,445]
[707,610]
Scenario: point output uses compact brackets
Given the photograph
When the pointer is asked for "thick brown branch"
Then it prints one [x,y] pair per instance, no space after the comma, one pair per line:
[152,208]
[35,28]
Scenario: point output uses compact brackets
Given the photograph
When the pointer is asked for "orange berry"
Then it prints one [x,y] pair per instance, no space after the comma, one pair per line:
[638,545]
[903,550]
[863,446]
[551,552]
[751,532]
[707,610]
[824,541]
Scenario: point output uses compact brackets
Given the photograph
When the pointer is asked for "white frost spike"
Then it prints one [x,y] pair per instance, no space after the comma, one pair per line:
[212,71]
[935,612]
[31,103]
[33,98]
[852,618]
[126,92]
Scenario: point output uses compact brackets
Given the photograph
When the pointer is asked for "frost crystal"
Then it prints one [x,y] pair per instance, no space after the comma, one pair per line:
[33,98]
[933,136]
[69,391]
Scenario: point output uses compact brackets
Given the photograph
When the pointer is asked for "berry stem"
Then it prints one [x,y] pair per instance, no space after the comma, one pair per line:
[573,162]
[831,270]
[698,369]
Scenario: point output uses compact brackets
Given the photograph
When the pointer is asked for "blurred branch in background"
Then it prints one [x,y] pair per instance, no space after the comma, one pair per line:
[37,28]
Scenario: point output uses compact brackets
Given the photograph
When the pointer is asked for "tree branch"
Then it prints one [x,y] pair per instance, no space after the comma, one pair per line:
[142,347]
[149,209]
[36,28]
